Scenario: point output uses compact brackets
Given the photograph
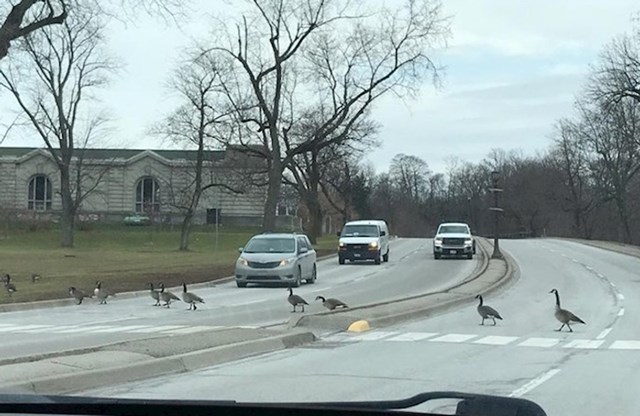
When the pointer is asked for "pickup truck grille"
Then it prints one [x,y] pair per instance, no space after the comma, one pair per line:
[357,247]
[453,241]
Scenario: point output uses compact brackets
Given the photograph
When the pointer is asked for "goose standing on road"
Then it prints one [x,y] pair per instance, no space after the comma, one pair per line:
[78,294]
[331,303]
[190,298]
[166,296]
[563,315]
[155,294]
[101,293]
[487,312]
[296,300]
[8,286]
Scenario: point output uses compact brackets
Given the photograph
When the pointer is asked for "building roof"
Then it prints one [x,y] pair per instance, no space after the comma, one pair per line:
[123,154]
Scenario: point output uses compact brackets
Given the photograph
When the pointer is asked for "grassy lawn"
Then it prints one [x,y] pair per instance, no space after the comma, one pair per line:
[124,258]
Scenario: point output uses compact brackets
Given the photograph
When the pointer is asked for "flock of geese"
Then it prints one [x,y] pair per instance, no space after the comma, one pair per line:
[162,295]
[564,316]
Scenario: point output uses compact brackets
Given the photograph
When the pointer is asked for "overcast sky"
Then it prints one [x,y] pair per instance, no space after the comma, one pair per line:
[512,68]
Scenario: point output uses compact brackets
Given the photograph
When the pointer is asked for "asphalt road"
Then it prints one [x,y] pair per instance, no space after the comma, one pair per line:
[592,371]
[411,270]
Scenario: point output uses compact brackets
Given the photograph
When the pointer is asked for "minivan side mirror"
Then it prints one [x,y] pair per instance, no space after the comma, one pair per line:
[240,250]
[383,233]
[303,250]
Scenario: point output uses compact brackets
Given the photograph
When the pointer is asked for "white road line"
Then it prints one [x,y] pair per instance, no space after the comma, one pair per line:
[245,303]
[575,260]
[192,329]
[588,268]
[620,296]
[60,328]
[625,345]
[125,328]
[601,276]
[453,338]
[613,285]
[412,336]
[21,328]
[83,329]
[539,342]
[43,328]
[495,340]
[588,344]
[604,333]
[621,312]
[373,336]
[534,383]
[156,329]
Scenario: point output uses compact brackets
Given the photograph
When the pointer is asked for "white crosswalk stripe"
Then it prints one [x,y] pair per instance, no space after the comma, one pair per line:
[493,340]
[81,329]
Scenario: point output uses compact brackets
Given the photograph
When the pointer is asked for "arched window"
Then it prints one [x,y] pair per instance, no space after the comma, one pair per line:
[39,195]
[147,195]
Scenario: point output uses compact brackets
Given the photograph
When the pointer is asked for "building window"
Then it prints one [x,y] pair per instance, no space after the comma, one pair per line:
[147,195]
[40,191]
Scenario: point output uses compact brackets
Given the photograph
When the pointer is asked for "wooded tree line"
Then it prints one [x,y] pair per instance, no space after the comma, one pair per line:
[586,185]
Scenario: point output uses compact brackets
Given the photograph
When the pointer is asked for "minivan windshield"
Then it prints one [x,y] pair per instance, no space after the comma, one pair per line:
[360,231]
[270,245]
[453,229]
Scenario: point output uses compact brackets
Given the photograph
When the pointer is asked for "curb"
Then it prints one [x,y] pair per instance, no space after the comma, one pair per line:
[343,318]
[54,303]
[155,367]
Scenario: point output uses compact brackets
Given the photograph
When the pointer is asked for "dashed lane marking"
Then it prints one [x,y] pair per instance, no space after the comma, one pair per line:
[590,344]
[603,334]
[539,342]
[412,336]
[495,340]
[625,345]
[454,338]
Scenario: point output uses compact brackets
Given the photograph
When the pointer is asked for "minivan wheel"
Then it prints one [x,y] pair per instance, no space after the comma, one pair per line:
[314,275]
[241,284]
[436,256]
[385,258]
[469,256]
[298,280]
[377,260]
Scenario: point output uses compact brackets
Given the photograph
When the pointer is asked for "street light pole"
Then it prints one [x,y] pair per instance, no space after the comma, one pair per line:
[495,190]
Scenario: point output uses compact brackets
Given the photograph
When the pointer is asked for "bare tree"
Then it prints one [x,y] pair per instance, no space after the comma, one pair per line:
[411,175]
[195,123]
[27,16]
[617,73]
[571,160]
[611,135]
[62,66]
[348,71]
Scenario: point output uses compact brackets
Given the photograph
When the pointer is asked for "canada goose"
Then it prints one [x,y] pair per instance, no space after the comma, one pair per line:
[102,294]
[35,277]
[487,312]
[78,294]
[167,296]
[154,294]
[331,303]
[296,300]
[564,315]
[9,287]
[190,298]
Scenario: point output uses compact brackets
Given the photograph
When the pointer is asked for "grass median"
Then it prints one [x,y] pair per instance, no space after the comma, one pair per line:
[124,258]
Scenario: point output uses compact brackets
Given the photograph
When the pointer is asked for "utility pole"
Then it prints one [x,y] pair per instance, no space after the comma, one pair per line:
[495,190]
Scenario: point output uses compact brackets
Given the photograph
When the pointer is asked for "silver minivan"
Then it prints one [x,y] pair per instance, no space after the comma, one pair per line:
[364,240]
[276,258]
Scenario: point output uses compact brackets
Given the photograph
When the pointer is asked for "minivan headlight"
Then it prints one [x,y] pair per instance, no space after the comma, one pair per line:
[286,262]
[243,261]
[437,240]
[373,244]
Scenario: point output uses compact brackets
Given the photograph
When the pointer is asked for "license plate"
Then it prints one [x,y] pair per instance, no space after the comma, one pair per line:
[356,254]
[452,251]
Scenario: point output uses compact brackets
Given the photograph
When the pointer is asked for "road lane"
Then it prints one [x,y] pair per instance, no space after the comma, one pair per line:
[411,270]
[591,371]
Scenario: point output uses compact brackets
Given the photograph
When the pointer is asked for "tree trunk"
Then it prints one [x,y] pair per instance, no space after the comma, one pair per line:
[67,219]
[185,230]
[273,194]
[315,217]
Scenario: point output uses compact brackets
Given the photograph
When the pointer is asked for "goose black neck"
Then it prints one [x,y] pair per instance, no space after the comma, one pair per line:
[480,297]
[322,298]
[290,291]
[184,287]
[557,298]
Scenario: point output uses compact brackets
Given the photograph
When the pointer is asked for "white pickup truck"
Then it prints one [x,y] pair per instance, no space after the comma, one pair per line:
[453,239]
